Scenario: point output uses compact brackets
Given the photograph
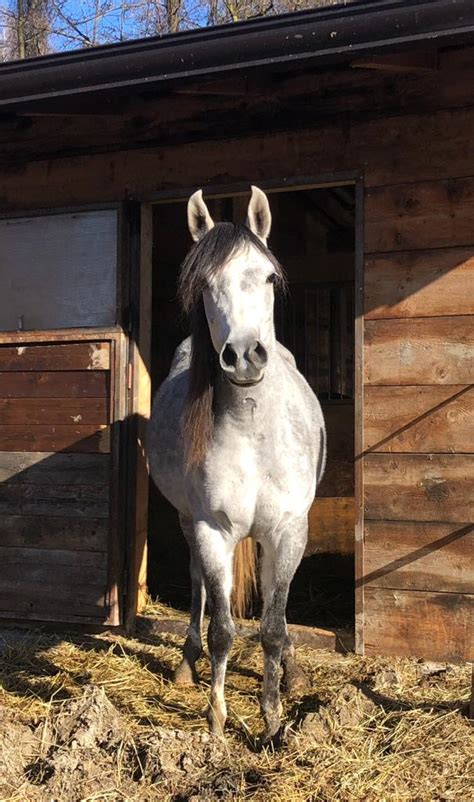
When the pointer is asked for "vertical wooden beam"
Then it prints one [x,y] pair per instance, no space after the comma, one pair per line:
[359,417]
[471,704]
[140,406]
[118,410]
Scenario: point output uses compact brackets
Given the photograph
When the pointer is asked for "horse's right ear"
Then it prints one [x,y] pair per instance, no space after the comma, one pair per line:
[199,219]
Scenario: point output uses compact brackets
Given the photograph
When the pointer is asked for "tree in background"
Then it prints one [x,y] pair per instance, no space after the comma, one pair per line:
[26,29]
[36,27]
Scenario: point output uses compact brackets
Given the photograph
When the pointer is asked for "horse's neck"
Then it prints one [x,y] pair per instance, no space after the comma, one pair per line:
[251,405]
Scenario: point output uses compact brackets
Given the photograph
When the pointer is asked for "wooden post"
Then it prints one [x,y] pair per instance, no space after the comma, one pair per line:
[140,381]
[471,704]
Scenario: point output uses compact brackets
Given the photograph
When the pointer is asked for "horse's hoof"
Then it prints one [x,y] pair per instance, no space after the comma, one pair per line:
[295,683]
[216,722]
[272,737]
[185,675]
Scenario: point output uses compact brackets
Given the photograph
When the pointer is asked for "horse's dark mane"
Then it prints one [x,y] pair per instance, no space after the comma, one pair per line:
[205,259]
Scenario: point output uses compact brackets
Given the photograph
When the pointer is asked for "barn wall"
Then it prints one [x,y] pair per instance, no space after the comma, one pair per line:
[409,135]
[418,418]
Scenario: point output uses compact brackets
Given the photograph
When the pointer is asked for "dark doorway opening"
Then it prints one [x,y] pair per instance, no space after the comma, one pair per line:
[313,236]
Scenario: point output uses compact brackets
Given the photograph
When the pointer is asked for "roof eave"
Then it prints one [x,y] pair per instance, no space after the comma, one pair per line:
[320,36]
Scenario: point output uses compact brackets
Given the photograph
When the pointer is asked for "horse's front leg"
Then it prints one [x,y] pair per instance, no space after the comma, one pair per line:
[280,559]
[186,673]
[215,552]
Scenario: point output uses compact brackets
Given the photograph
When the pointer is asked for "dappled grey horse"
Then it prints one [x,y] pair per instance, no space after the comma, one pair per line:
[237,444]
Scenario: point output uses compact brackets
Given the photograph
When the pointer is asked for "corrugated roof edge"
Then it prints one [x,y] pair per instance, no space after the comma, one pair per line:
[323,35]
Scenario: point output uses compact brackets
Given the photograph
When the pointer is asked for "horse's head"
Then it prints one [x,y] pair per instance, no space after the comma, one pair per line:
[234,273]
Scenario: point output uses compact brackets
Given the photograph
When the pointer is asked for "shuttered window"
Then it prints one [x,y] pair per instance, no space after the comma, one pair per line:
[58,271]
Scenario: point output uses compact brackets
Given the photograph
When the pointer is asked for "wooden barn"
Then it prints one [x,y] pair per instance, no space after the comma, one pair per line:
[358,121]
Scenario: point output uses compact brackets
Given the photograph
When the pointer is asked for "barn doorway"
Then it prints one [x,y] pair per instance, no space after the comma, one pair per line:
[313,236]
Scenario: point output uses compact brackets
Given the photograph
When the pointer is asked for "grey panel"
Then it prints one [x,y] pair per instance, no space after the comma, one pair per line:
[58,271]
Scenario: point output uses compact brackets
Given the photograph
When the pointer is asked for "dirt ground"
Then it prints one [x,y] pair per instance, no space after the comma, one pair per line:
[98,718]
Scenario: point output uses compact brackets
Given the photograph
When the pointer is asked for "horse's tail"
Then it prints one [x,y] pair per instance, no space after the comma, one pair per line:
[245,576]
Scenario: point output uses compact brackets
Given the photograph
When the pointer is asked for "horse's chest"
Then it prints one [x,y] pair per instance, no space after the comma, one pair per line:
[253,484]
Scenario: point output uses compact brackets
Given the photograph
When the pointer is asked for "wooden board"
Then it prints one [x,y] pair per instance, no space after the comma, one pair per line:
[47,564]
[74,501]
[432,214]
[90,439]
[410,555]
[419,351]
[71,356]
[53,532]
[436,626]
[53,384]
[52,600]
[419,147]
[419,419]
[331,526]
[415,487]
[54,468]
[420,284]
[190,113]
[32,411]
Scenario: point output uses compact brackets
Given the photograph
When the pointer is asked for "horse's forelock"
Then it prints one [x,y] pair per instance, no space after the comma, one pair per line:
[209,256]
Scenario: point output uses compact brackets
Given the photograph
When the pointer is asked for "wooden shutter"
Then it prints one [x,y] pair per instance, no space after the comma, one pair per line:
[61,411]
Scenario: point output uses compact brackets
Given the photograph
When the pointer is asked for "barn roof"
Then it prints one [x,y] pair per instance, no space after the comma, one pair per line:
[324,35]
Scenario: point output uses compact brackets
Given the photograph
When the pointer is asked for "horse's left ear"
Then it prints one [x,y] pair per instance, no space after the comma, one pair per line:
[259,218]
[199,219]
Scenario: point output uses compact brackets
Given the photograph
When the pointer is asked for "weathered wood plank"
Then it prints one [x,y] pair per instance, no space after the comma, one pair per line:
[301,635]
[71,501]
[32,411]
[52,600]
[54,468]
[46,565]
[419,148]
[54,384]
[70,356]
[331,526]
[51,532]
[431,214]
[338,477]
[420,284]
[416,487]
[411,555]
[189,113]
[92,439]
[436,626]
[419,419]
[419,351]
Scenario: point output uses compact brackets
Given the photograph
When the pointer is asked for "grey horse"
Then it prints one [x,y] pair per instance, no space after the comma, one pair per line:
[236,443]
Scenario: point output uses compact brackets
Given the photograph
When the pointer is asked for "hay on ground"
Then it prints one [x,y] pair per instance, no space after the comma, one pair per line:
[99,718]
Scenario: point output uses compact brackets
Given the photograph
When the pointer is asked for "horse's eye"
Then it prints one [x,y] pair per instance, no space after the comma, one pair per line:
[272,278]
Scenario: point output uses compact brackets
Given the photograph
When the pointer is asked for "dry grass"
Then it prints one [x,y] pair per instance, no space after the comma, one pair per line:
[371,729]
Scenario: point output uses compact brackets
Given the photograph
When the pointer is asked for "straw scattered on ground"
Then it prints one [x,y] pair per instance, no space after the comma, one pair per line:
[98,718]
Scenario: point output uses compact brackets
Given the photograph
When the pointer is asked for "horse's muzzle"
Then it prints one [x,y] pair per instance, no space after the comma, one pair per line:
[244,361]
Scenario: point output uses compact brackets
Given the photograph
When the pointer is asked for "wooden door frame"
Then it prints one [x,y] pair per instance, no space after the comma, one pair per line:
[141,401]
[139,291]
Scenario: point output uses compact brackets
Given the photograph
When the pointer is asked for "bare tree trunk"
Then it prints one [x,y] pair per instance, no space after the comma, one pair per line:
[31,28]
[173,15]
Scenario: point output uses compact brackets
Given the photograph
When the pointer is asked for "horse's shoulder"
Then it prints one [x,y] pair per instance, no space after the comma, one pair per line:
[286,354]
[181,358]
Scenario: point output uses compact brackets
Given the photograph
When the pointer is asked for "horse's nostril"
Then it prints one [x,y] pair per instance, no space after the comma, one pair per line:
[229,356]
[257,354]
[261,352]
